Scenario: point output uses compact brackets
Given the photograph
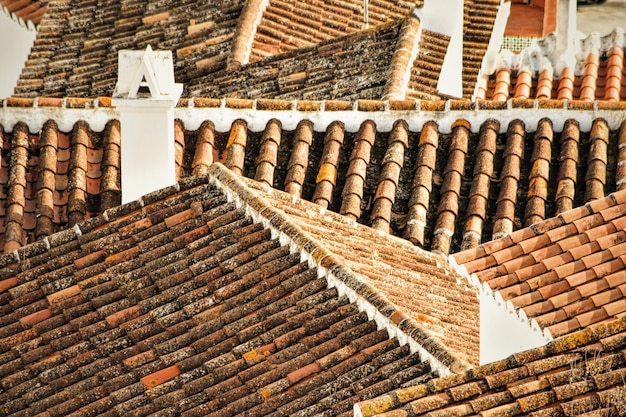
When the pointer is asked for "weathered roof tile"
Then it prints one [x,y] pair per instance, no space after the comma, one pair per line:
[572,371]
[141,332]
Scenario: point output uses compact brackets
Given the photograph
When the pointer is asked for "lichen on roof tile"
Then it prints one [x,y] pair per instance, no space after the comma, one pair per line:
[189,293]
[555,378]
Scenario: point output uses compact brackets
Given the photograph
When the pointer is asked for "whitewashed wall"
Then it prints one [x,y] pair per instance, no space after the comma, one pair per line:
[503,330]
[16,39]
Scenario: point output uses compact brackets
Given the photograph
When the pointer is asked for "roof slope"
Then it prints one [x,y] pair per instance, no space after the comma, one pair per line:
[348,67]
[290,24]
[595,73]
[480,16]
[566,272]
[87,37]
[428,175]
[356,65]
[198,289]
[212,41]
[581,374]
[421,284]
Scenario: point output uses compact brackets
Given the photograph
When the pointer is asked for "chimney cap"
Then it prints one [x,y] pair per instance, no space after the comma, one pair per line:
[154,70]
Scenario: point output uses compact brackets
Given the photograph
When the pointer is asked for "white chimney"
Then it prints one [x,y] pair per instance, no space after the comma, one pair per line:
[447,17]
[145,96]
[566,33]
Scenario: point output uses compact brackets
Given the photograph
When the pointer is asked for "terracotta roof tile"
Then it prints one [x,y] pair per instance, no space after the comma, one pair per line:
[221,40]
[228,310]
[562,284]
[285,25]
[296,171]
[592,77]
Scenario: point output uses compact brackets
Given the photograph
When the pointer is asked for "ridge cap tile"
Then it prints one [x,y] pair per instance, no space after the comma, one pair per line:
[601,204]
[570,216]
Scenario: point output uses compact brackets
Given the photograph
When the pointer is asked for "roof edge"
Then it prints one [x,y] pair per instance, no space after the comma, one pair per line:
[507,306]
[67,111]
[347,282]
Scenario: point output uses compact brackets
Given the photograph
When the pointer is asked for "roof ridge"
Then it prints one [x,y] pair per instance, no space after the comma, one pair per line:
[404,55]
[247,25]
[339,275]
[71,102]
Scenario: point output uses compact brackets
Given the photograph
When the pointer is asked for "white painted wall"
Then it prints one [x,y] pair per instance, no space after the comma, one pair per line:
[497,36]
[16,39]
[148,148]
[147,121]
[566,33]
[446,17]
[503,330]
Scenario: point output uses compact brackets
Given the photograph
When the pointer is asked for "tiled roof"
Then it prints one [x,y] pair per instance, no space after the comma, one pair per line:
[290,24]
[358,65]
[577,375]
[427,66]
[87,37]
[566,272]
[27,10]
[597,73]
[445,177]
[349,67]
[323,59]
[411,278]
[200,289]
[480,16]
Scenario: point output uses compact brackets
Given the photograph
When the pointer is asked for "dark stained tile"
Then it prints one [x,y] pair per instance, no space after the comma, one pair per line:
[555,379]
[208,303]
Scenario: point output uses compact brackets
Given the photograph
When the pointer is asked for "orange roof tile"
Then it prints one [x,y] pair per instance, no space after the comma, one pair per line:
[580,272]
[596,73]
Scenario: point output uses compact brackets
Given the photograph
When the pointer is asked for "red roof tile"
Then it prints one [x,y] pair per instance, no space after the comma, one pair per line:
[595,75]
[427,201]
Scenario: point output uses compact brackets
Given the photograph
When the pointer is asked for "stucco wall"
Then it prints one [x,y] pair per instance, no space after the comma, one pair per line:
[16,40]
